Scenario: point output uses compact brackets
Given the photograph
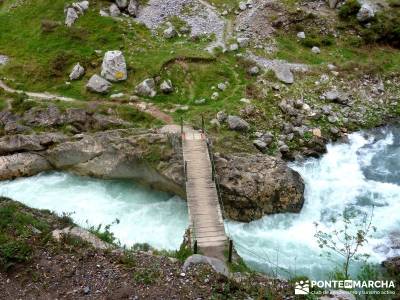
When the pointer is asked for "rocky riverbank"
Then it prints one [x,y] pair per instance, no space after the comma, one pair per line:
[40,259]
[253,184]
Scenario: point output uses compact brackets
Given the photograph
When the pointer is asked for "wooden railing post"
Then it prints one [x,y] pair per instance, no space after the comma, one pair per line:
[230,251]
[202,123]
[195,247]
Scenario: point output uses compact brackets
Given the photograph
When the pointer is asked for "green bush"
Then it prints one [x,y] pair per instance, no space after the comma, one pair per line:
[314,40]
[13,251]
[349,8]
[385,28]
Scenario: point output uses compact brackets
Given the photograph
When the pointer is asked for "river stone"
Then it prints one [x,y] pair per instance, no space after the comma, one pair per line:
[77,72]
[283,73]
[237,123]
[365,13]
[146,88]
[114,66]
[255,185]
[98,84]
[133,8]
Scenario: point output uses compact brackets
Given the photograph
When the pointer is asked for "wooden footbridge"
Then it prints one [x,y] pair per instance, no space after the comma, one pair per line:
[203,196]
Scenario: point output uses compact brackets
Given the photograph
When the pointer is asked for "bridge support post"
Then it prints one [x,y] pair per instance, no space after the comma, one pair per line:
[230,251]
[181,125]
[202,123]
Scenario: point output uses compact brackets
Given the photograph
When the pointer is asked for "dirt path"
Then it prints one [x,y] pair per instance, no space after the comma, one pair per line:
[42,96]
[141,106]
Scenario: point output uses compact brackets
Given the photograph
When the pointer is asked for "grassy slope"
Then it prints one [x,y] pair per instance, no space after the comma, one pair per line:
[42,56]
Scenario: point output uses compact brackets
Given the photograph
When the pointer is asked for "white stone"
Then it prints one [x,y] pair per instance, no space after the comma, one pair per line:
[234,47]
[214,96]
[122,4]
[169,33]
[166,86]
[3,60]
[114,10]
[315,50]
[146,88]
[365,13]
[243,41]
[133,8]
[98,84]
[114,66]
[71,17]
[221,86]
[77,72]
[301,35]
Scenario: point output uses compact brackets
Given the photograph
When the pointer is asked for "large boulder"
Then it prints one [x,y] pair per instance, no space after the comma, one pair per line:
[98,84]
[114,66]
[255,185]
[147,88]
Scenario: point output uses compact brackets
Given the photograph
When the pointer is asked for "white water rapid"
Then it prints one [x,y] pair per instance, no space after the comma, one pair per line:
[352,176]
[145,216]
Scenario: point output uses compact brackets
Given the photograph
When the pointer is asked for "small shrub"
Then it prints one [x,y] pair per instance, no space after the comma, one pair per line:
[104,234]
[21,103]
[146,276]
[59,64]
[141,247]
[48,26]
[349,8]
[13,251]
[385,28]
